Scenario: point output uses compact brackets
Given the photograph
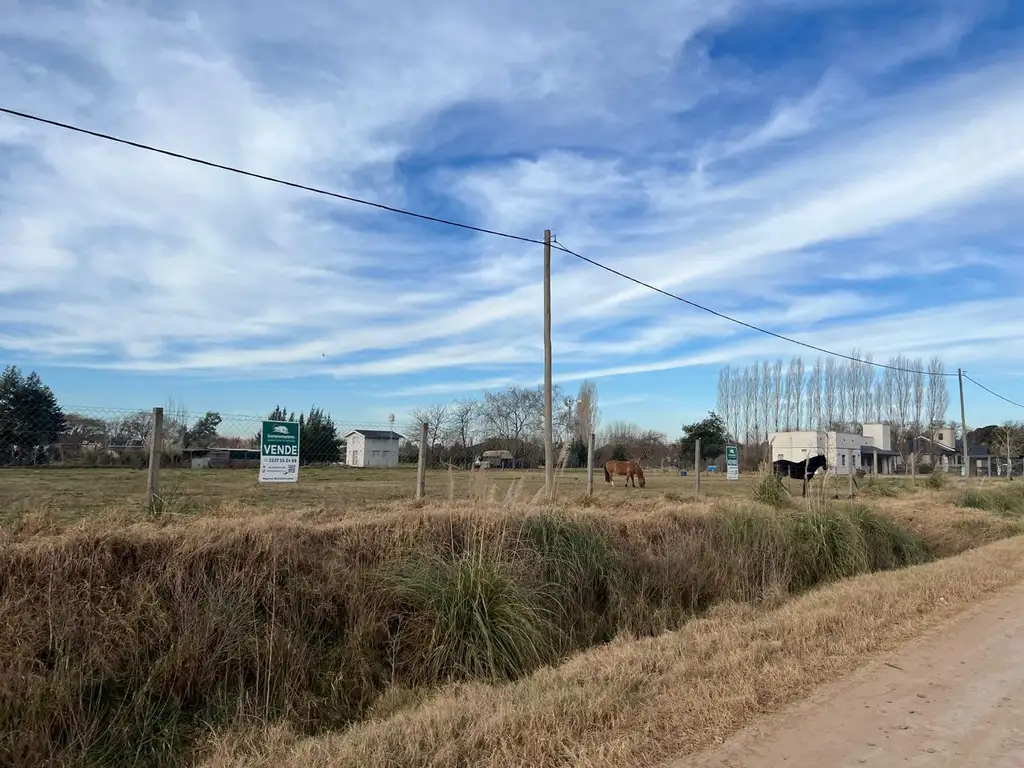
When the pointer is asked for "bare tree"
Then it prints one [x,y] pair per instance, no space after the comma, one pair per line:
[830,415]
[765,395]
[753,395]
[778,394]
[748,398]
[463,421]
[1009,442]
[587,413]
[815,382]
[725,404]
[795,394]
[438,419]
[869,411]
[937,401]
[737,393]
[938,393]
[513,416]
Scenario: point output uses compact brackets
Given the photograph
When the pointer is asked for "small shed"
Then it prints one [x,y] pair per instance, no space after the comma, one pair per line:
[372,448]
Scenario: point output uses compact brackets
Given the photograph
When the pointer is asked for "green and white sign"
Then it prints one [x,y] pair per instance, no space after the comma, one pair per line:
[279,452]
[732,462]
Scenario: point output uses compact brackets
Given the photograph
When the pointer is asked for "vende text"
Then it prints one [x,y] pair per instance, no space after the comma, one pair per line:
[281,450]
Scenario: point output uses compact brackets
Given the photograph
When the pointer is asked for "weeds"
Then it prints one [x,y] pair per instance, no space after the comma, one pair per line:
[1006,501]
[770,489]
[125,643]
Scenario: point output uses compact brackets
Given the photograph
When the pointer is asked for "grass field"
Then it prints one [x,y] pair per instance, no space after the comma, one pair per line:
[326,622]
[69,493]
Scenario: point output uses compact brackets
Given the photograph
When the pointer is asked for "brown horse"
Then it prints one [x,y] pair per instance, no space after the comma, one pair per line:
[630,469]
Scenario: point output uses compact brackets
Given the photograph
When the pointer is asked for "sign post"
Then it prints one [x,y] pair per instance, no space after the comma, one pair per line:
[279,452]
[732,462]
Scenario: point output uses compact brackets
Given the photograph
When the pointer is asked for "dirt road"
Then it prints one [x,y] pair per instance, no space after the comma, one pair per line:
[952,698]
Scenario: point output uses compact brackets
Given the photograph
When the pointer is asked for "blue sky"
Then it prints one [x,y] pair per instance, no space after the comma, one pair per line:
[849,173]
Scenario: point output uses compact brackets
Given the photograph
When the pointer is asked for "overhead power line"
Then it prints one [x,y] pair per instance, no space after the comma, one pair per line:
[994,394]
[450,223]
[264,177]
[737,321]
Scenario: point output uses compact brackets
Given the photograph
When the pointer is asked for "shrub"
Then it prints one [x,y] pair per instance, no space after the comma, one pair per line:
[770,489]
[936,481]
[472,616]
[580,570]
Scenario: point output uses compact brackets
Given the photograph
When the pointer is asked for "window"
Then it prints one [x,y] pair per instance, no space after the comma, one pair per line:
[940,437]
[781,456]
[842,460]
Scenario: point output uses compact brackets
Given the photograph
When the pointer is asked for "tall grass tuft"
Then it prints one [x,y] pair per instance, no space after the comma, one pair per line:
[770,488]
[468,616]
[936,480]
[581,570]
[1006,502]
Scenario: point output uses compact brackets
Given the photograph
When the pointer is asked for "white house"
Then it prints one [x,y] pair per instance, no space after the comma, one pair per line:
[844,451]
[372,448]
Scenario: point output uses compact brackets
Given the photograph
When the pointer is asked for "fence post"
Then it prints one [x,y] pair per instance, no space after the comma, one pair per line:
[696,464]
[590,465]
[421,469]
[849,466]
[156,451]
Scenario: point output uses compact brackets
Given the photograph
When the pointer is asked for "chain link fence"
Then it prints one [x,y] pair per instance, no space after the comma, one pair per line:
[41,435]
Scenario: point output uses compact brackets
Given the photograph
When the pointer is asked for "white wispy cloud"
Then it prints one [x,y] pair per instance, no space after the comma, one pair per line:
[823,208]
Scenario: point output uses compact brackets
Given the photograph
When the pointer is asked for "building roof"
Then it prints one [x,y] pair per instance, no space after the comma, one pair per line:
[871,450]
[376,434]
[976,450]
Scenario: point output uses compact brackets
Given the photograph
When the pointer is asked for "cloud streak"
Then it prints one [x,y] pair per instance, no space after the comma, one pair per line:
[835,196]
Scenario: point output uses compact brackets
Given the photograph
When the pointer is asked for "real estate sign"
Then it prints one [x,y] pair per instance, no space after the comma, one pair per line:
[732,462]
[279,452]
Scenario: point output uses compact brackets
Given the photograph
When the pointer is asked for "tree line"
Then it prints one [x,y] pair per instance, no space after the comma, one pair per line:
[778,396]
[512,419]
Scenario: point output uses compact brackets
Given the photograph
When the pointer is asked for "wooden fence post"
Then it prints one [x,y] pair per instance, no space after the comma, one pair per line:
[849,466]
[421,469]
[590,465]
[156,451]
[696,464]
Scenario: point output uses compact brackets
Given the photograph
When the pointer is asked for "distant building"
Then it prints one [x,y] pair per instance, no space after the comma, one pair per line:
[494,460]
[372,448]
[871,451]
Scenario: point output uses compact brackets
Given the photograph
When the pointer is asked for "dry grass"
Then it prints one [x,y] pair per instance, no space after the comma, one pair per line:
[634,703]
[126,637]
[72,493]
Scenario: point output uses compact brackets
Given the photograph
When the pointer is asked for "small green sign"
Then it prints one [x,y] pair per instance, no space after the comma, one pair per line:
[732,462]
[279,452]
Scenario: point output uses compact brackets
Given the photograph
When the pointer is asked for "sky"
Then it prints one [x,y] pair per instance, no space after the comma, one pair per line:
[847,173]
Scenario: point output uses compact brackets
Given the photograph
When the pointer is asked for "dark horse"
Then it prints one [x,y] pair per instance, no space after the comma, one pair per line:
[800,470]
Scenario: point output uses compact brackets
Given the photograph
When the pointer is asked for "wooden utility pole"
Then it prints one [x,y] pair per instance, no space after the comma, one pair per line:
[421,467]
[549,434]
[590,465]
[156,450]
[696,464]
[966,471]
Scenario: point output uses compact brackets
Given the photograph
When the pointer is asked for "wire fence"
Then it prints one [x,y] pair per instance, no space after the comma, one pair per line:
[84,436]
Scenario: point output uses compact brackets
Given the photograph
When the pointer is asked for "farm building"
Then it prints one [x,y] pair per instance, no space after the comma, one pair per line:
[871,451]
[222,458]
[372,448]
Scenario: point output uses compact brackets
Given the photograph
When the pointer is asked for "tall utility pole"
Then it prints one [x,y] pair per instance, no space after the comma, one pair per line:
[549,434]
[966,471]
